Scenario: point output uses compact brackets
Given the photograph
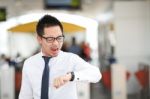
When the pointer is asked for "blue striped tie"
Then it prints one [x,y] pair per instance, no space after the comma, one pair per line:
[45,79]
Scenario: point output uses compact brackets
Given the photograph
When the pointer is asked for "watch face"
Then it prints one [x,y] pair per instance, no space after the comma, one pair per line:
[72,76]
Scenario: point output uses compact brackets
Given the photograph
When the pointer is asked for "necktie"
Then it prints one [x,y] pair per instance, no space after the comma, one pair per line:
[45,79]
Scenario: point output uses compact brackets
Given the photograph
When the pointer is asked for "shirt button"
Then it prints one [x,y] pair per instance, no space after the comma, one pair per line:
[77,78]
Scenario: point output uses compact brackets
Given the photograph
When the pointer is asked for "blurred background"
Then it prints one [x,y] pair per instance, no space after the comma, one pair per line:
[114,35]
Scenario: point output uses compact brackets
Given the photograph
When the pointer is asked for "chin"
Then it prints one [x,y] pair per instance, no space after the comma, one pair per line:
[54,55]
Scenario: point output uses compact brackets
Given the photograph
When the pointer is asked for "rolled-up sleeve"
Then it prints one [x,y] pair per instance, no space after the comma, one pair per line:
[26,89]
[85,71]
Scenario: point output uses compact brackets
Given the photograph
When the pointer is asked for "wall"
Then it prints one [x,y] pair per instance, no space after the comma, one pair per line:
[132,32]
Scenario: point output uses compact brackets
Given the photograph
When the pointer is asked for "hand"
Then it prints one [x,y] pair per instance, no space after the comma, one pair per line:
[60,81]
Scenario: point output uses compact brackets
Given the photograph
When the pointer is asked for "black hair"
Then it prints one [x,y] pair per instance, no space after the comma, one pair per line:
[47,21]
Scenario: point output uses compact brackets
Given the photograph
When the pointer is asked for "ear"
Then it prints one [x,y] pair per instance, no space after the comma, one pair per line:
[39,39]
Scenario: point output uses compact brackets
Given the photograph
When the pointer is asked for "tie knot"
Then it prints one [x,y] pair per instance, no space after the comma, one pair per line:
[46,59]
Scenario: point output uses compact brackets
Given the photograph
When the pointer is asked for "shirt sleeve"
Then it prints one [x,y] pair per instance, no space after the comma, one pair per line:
[26,90]
[85,72]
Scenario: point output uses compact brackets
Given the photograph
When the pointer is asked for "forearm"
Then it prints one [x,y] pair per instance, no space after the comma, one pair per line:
[91,74]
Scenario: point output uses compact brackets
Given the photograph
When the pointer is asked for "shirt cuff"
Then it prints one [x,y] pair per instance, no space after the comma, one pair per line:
[77,76]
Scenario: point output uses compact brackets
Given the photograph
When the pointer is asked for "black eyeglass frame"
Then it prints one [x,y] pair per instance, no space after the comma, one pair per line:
[52,39]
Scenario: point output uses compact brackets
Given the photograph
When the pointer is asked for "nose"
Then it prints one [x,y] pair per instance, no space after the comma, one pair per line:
[55,42]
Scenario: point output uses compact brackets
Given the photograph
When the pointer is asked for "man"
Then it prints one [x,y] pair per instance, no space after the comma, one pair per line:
[75,48]
[52,73]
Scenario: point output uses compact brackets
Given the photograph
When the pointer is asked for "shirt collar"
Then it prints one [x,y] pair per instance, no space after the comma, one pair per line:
[42,54]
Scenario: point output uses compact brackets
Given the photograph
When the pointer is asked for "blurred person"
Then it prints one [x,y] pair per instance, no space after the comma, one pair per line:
[4,62]
[65,47]
[86,51]
[52,73]
[74,48]
[2,59]
[18,58]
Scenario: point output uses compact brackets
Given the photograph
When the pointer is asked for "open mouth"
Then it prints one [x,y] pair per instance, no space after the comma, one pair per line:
[54,50]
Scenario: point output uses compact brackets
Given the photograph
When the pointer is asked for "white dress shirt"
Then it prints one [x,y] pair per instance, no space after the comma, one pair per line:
[60,65]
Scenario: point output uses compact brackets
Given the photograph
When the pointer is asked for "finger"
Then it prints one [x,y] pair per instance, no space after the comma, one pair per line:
[56,83]
[59,82]
[62,81]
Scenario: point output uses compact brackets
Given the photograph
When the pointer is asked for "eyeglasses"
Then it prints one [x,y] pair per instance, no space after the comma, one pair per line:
[52,39]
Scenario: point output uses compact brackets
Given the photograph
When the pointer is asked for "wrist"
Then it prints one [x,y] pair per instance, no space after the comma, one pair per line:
[71,76]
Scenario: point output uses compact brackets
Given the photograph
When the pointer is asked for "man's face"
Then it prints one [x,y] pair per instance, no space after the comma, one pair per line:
[51,46]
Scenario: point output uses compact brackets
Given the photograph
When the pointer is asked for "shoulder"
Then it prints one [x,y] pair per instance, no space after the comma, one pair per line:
[31,60]
[69,55]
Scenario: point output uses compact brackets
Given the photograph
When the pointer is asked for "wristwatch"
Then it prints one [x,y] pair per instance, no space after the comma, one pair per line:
[72,76]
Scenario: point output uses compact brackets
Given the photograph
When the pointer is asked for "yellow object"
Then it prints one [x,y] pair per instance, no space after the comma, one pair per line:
[31,28]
